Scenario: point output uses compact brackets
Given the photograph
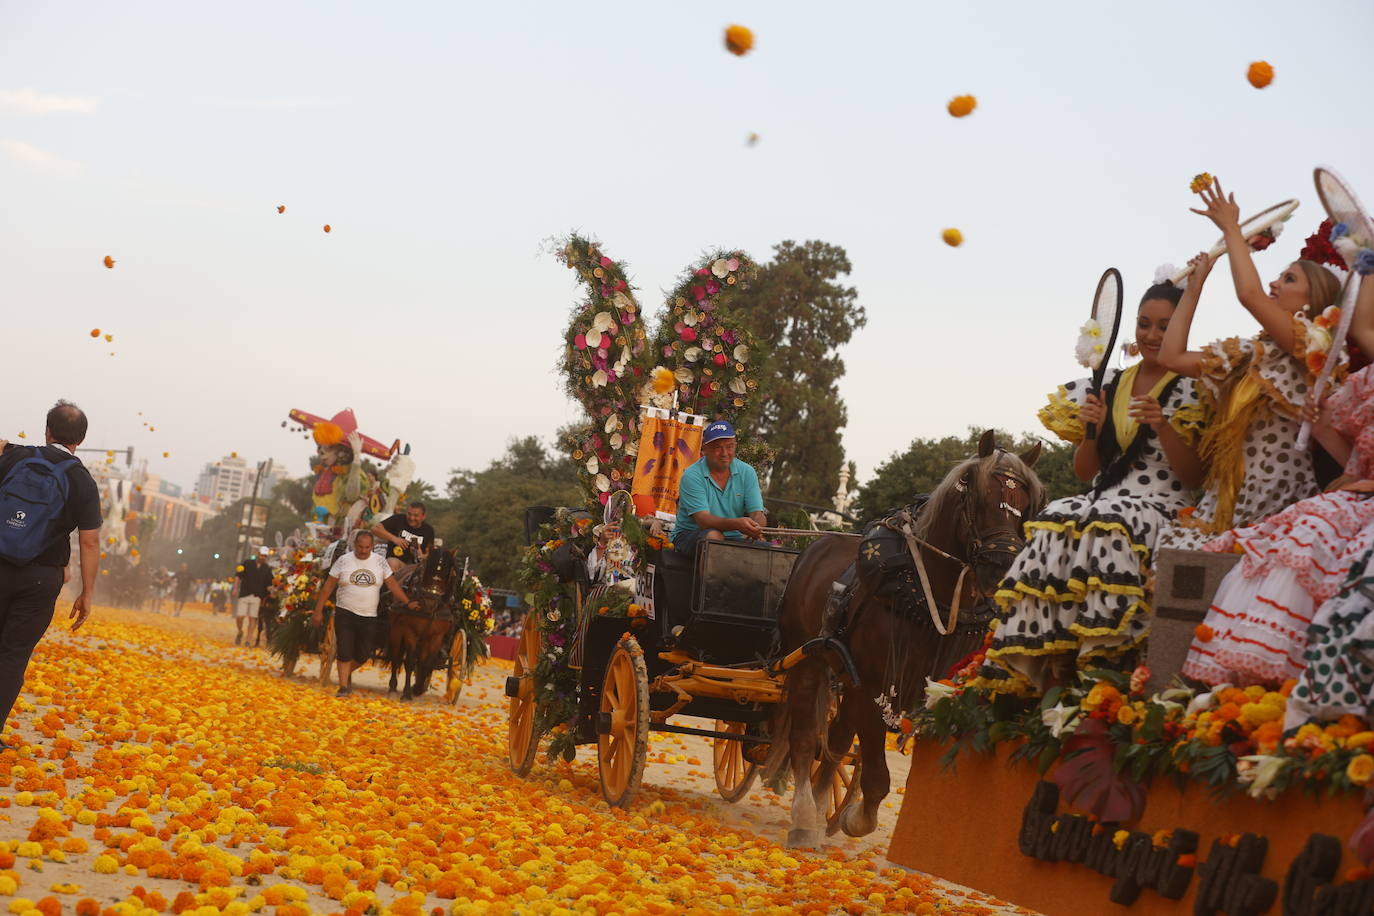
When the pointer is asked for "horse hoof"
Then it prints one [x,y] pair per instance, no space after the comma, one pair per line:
[801,838]
[848,825]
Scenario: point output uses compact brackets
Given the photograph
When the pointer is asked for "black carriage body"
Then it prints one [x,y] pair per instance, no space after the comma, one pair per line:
[730,609]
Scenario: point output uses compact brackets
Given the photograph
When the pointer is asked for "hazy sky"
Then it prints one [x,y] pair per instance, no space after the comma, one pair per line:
[444,141]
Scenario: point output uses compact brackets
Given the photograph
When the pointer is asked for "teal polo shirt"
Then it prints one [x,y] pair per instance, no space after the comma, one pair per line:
[697,492]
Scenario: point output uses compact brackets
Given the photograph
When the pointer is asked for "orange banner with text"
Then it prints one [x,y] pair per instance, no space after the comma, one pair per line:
[667,445]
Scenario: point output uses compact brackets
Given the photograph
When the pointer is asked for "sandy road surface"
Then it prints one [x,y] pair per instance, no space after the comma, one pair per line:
[171,763]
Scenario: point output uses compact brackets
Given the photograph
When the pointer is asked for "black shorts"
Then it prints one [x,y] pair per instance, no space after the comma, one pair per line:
[354,636]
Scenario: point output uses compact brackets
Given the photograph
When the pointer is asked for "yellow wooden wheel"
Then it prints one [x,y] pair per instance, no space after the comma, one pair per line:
[457,667]
[623,728]
[521,740]
[734,774]
[327,647]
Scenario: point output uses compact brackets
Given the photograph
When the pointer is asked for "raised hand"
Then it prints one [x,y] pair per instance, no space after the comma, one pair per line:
[1219,207]
[1201,264]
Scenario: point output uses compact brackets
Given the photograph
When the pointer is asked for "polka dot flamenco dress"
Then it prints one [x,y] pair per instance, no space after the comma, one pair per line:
[1294,563]
[1075,595]
[1252,392]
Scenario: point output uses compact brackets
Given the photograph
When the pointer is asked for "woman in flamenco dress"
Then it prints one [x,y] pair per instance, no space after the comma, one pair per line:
[1076,594]
[1277,614]
[1253,389]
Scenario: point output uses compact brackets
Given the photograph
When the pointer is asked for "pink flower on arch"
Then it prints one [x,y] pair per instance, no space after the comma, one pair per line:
[580,341]
[698,293]
[689,334]
[606,262]
[712,287]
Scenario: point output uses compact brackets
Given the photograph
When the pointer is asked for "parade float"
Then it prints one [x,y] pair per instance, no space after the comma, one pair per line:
[348,496]
[1140,789]
[624,633]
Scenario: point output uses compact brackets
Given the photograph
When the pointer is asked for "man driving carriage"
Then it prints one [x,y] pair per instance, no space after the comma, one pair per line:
[410,536]
[719,495]
[358,576]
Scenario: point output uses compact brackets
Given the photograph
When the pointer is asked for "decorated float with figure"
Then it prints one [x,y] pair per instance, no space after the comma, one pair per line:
[626,633]
[445,627]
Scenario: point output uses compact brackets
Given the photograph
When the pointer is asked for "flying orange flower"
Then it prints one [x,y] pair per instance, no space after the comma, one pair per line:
[739,40]
[281,208]
[109,338]
[1260,74]
[109,261]
[961,106]
[326,227]
[953,237]
[1203,632]
[95,332]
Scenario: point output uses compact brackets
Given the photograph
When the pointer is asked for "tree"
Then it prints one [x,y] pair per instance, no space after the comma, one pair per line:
[218,535]
[483,515]
[926,461]
[298,493]
[801,313]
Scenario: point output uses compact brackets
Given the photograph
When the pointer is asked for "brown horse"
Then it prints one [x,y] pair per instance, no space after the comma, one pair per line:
[417,638]
[972,522]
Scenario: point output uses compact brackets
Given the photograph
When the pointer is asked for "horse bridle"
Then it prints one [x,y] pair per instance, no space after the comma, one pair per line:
[982,547]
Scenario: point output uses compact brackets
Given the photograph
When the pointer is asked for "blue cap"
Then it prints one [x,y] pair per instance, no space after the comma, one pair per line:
[717,429]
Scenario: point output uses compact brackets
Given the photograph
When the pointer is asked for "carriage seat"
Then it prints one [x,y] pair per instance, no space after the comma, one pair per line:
[673,583]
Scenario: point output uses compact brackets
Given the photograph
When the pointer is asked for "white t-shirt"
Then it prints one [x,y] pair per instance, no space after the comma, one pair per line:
[360,582]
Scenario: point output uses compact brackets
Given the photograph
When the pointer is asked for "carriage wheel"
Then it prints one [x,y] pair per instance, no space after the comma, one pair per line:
[624,719]
[457,667]
[521,740]
[734,774]
[327,647]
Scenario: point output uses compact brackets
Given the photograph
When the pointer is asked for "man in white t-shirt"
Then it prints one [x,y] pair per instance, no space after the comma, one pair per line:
[358,577]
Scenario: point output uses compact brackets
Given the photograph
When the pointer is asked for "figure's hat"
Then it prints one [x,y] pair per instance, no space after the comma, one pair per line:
[337,429]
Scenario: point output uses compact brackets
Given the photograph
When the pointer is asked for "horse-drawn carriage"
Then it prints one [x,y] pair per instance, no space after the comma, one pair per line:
[445,634]
[708,650]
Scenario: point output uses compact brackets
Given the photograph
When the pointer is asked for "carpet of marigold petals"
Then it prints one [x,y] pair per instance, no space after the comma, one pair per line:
[161,773]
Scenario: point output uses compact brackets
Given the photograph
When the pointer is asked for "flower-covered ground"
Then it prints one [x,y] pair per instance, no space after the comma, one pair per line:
[161,771]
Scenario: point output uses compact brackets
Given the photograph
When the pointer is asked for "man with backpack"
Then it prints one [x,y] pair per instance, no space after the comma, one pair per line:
[45,492]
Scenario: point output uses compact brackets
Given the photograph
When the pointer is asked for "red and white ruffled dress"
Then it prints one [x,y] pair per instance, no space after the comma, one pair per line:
[1293,562]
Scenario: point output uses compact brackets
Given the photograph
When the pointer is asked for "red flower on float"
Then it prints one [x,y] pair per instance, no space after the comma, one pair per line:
[689,334]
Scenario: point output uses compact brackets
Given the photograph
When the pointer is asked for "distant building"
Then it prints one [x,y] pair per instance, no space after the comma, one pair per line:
[176,517]
[224,482]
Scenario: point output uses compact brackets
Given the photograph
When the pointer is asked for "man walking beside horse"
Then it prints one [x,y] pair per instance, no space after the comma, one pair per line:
[358,577]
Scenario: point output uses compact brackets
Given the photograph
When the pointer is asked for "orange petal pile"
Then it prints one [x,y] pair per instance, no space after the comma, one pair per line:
[229,791]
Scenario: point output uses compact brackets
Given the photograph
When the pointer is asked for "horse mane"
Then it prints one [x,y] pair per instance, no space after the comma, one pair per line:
[944,500]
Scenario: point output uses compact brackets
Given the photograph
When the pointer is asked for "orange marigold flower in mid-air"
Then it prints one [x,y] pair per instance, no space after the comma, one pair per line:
[109,261]
[952,237]
[1201,182]
[739,40]
[1203,632]
[1260,74]
[961,106]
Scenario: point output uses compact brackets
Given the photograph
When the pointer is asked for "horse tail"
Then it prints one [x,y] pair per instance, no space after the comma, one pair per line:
[779,759]
[777,767]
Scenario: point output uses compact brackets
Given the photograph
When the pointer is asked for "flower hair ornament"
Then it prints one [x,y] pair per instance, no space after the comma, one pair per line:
[1319,249]
[1165,273]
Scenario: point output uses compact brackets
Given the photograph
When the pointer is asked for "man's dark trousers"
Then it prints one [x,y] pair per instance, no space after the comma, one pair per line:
[28,595]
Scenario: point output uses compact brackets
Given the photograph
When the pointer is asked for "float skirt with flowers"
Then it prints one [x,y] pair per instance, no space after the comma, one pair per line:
[1076,592]
[1256,629]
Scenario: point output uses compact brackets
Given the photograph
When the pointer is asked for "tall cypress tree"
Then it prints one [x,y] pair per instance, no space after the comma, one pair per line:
[804,312]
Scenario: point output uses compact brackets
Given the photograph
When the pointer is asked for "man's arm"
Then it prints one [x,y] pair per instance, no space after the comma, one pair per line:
[399,594]
[380,530]
[90,568]
[325,594]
